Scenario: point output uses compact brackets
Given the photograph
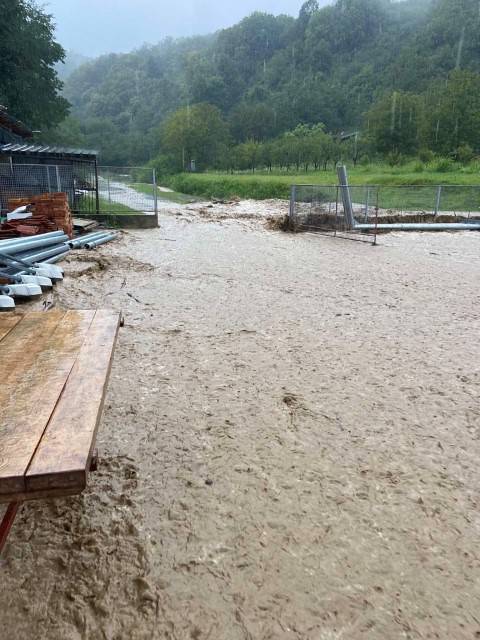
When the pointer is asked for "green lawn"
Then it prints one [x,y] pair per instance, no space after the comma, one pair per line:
[393,183]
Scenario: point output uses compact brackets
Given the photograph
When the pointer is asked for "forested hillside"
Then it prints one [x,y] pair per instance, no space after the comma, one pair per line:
[403,73]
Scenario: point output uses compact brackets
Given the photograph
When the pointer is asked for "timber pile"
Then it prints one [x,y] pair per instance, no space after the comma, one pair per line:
[54,369]
[50,212]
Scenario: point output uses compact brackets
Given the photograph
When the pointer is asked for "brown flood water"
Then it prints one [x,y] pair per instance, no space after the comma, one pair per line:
[290,447]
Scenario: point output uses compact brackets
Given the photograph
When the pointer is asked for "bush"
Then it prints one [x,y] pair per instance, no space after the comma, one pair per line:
[442,165]
[464,154]
[472,167]
[164,165]
[228,187]
[395,159]
[426,156]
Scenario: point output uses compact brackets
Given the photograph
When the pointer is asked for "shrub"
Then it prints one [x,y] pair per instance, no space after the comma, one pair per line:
[395,159]
[426,156]
[165,165]
[229,186]
[464,154]
[442,165]
[418,167]
[473,166]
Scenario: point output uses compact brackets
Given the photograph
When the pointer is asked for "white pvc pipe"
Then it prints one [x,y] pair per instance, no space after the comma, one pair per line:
[82,240]
[97,243]
[51,234]
[33,243]
[419,226]
[56,258]
[37,256]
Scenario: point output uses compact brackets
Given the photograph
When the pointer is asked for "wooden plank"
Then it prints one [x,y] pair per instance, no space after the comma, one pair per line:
[62,460]
[36,358]
[25,496]
[8,321]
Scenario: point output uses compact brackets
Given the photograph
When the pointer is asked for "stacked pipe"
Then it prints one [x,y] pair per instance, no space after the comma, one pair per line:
[92,240]
[26,264]
[24,270]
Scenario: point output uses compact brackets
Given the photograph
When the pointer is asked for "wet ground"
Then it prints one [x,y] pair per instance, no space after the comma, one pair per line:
[289,448]
[115,192]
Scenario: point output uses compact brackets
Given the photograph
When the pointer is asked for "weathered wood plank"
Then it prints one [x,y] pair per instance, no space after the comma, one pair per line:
[36,359]
[62,460]
[25,496]
[8,321]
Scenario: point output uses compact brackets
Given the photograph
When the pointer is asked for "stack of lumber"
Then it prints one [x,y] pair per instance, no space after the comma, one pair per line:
[54,369]
[50,213]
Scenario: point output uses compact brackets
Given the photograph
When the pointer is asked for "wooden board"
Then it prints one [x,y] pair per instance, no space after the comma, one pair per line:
[53,372]
[77,414]
[84,224]
[7,322]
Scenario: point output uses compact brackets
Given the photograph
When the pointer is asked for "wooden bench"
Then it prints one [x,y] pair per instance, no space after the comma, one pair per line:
[54,369]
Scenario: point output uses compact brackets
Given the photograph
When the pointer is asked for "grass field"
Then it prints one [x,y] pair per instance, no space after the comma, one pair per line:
[392,182]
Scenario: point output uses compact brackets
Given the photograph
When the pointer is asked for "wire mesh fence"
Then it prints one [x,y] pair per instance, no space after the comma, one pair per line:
[24,180]
[321,208]
[127,190]
[120,189]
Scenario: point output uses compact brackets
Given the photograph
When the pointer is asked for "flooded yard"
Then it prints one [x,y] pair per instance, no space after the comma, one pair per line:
[289,448]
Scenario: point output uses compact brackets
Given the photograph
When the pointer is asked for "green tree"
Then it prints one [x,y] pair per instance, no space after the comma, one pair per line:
[198,133]
[452,113]
[248,155]
[29,85]
[252,122]
[393,124]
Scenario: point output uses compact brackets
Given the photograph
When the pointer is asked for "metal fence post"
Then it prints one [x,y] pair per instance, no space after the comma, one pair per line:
[293,198]
[346,196]
[437,202]
[49,185]
[367,198]
[155,191]
[97,196]
[59,182]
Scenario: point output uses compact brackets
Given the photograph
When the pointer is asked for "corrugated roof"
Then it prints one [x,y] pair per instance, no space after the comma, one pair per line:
[38,149]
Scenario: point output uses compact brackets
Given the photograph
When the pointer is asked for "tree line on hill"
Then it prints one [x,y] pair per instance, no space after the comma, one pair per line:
[444,121]
[267,92]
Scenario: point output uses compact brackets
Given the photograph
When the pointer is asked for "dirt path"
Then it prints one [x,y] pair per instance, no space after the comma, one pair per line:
[290,447]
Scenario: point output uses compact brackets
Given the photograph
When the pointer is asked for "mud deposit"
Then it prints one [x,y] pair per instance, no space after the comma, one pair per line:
[290,446]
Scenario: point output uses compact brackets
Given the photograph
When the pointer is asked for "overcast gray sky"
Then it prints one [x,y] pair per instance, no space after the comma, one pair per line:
[93,27]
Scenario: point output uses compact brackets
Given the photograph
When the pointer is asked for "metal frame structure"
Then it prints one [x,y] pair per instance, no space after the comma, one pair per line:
[337,208]
[21,180]
[7,523]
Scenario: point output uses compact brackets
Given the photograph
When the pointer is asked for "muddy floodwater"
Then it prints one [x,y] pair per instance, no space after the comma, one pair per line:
[290,447]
